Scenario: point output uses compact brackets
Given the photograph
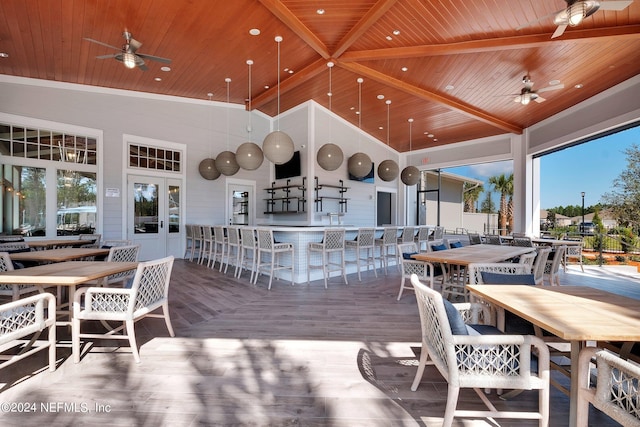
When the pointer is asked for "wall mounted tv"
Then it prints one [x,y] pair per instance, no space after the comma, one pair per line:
[367,178]
[289,169]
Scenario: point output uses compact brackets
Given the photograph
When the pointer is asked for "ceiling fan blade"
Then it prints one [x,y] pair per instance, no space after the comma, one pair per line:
[539,99]
[113,55]
[559,31]
[528,24]
[554,87]
[615,5]
[154,58]
[100,43]
[143,67]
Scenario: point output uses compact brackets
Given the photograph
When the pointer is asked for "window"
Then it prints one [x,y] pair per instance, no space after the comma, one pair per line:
[156,158]
[36,159]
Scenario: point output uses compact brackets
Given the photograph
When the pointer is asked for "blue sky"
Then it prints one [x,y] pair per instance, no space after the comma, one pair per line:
[590,167]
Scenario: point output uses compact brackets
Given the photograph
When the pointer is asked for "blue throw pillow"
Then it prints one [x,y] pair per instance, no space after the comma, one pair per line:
[440,247]
[456,323]
[455,245]
[408,255]
[489,278]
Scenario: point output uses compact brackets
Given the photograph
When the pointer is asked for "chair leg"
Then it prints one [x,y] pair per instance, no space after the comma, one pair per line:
[358,263]
[324,268]
[424,356]
[452,402]
[344,268]
[75,339]
[401,288]
[167,319]
[130,330]
[52,347]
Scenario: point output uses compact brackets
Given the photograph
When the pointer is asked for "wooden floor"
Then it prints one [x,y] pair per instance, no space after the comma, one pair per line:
[245,356]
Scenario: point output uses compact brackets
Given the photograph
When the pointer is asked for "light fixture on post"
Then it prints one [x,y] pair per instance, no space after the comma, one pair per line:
[330,156]
[359,165]
[388,169]
[226,161]
[207,167]
[411,174]
[249,155]
[278,146]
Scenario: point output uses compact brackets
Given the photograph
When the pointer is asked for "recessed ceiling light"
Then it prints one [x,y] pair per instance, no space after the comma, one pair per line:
[380,96]
[320,11]
[165,68]
[254,32]
[579,86]
[396,32]
[554,82]
[266,86]
[381,127]
[435,139]
[389,38]
[158,79]
[449,87]
[404,69]
[4,55]
[430,135]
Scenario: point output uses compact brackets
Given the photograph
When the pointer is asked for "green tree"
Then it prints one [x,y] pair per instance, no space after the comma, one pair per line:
[504,185]
[487,205]
[471,194]
[624,199]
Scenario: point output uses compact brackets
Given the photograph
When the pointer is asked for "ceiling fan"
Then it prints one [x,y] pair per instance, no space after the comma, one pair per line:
[527,94]
[576,11]
[129,55]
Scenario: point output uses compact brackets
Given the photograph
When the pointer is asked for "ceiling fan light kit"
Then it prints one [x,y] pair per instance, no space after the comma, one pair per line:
[128,54]
[129,60]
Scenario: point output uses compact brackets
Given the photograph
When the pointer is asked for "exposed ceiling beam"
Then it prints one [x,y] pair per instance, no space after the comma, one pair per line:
[431,96]
[491,45]
[295,80]
[370,18]
[290,20]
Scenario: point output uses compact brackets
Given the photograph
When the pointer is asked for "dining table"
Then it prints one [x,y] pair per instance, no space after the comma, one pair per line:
[577,314]
[458,259]
[69,274]
[58,255]
[55,243]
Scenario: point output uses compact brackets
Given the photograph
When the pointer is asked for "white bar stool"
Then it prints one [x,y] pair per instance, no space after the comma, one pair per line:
[364,243]
[268,246]
[332,242]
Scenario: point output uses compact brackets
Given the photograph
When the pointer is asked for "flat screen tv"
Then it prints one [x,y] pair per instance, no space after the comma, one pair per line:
[289,169]
[368,178]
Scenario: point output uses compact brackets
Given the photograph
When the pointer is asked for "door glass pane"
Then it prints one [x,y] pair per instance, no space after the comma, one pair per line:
[145,205]
[174,209]
[77,211]
[23,200]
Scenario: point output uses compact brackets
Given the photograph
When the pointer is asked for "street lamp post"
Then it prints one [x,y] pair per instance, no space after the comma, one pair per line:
[582,231]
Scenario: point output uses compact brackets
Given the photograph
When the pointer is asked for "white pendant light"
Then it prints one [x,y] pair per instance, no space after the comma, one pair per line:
[249,155]
[388,169]
[226,161]
[411,174]
[278,146]
[330,156]
[207,167]
[359,164]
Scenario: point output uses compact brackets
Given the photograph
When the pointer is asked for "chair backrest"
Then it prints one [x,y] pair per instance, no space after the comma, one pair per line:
[197,232]
[95,237]
[189,231]
[438,233]
[452,243]
[151,284]
[522,241]
[408,234]
[14,246]
[519,234]
[390,236]
[423,233]
[407,248]
[540,262]
[218,232]
[528,259]
[474,238]
[248,237]
[265,239]
[5,262]
[127,253]
[492,239]
[475,270]
[436,242]
[552,266]
[574,250]
[207,233]
[116,242]
[233,236]
[333,239]
[366,237]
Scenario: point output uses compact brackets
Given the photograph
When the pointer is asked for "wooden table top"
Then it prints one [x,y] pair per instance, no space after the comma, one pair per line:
[49,243]
[473,253]
[541,241]
[574,313]
[68,273]
[58,255]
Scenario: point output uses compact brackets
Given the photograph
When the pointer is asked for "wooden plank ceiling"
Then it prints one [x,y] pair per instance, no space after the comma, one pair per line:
[454,67]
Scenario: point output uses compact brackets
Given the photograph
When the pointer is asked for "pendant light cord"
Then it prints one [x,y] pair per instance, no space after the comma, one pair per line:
[249,64]
[228,81]
[278,40]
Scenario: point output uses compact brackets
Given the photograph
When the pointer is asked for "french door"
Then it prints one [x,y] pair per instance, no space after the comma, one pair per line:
[154,216]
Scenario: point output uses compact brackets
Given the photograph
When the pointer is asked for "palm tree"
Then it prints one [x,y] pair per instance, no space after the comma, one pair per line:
[504,185]
[471,193]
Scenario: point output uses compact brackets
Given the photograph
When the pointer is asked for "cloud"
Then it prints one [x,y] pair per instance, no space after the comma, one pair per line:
[487,170]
